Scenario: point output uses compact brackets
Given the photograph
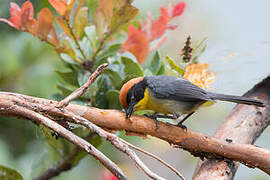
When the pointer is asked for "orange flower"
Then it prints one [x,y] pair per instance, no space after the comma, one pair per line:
[199,74]
[160,25]
[138,41]
[21,18]
[63,7]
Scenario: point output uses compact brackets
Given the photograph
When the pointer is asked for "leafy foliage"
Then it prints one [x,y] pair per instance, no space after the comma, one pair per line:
[9,174]
[86,38]
[87,33]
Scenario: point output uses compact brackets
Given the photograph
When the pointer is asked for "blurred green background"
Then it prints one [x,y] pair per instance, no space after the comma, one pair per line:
[238,46]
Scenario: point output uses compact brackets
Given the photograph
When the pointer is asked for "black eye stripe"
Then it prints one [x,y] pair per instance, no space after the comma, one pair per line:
[136,92]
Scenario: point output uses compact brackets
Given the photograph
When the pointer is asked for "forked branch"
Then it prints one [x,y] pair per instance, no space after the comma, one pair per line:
[196,143]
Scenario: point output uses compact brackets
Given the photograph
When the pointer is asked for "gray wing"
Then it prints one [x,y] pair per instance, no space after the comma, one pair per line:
[174,88]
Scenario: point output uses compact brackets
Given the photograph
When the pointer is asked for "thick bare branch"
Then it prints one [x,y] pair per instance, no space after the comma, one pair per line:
[243,125]
[196,143]
[81,90]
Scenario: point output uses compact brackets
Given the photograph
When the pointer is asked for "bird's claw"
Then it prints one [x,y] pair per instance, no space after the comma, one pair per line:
[157,124]
[154,117]
[182,126]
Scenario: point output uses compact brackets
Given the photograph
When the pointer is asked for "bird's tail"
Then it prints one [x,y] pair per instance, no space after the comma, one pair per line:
[237,99]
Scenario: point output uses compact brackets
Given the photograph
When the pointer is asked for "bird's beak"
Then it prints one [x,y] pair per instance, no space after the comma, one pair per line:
[129,110]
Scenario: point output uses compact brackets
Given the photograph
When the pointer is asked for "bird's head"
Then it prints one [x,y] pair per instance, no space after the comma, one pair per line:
[131,93]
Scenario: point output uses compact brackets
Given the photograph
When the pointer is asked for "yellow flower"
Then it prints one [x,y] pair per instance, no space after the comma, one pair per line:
[199,74]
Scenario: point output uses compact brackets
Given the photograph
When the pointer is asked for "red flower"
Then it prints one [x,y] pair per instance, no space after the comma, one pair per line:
[159,26]
[138,41]
[178,9]
[108,176]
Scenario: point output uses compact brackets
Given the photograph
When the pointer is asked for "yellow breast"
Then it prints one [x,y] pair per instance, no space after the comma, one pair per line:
[165,106]
[151,103]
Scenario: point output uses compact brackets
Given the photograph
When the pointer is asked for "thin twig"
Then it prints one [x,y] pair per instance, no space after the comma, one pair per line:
[115,141]
[78,141]
[65,163]
[81,90]
[155,157]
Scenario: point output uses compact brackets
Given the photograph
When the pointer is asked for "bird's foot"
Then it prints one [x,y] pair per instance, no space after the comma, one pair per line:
[54,134]
[154,117]
[157,124]
[182,126]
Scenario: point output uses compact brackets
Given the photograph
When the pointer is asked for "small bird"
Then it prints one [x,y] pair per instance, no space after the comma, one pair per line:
[171,96]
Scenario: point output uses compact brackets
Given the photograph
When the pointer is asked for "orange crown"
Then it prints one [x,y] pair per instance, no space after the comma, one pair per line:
[125,88]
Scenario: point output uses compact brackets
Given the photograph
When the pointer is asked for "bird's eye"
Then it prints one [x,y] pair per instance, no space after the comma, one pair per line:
[132,99]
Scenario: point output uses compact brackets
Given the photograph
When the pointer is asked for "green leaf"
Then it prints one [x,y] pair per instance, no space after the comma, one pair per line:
[147,72]
[101,61]
[130,56]
[92,6]
[197,54]
[110,51]
[9,174]
[100,100]
[198,50]
[83,77]
[80,21]
[199,44]
[68,59]
[69,77]
[65,90]
[122,16]
[115,78]
[90,32]
[113,99]
[155,63]
[57,97]
[86,47]
[56,144]
[161,69]
[175,67]
[131,69]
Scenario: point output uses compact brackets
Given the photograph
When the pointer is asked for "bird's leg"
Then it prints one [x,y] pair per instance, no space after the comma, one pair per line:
[180,124]
[166,116]
[154,116]
[176,116]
